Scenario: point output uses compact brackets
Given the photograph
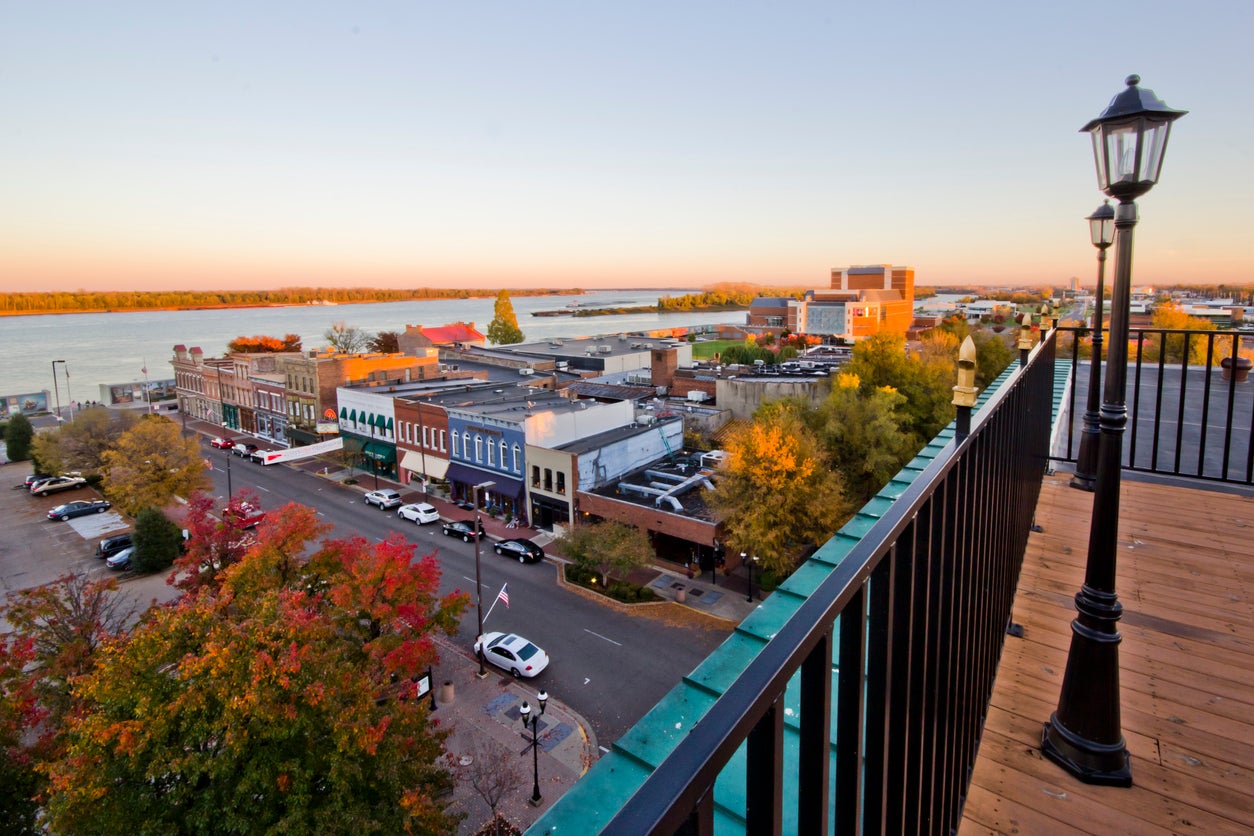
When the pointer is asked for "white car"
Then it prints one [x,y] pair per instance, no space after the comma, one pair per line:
[511,652]
[420,512]
[385,499]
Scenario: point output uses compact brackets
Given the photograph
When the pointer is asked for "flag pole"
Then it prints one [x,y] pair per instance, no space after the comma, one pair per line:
[498,598]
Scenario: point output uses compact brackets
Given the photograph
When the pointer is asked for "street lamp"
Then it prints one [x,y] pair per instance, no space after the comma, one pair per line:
[226,452]
[55,388]
[533,743]
[483,672]
[1102,233]
[749,563]
[374,462]
[1083,735]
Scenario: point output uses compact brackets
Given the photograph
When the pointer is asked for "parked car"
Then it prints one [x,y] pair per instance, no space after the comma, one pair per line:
[222,443]
[33,478]
[110,546]
[385,499]
[57,483]
[121,560]
[525,550]
[246,516]
[244,451]
[511,652]
[420,512]
[464,529]
[258,455]
[78,508]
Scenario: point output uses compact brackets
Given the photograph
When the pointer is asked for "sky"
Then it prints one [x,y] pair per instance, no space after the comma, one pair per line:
[674,144]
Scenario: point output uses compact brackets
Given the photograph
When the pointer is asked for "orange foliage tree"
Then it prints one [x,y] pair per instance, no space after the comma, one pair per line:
[275,698]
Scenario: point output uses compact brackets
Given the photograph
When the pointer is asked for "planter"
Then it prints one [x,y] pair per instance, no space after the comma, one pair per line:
[1242,371]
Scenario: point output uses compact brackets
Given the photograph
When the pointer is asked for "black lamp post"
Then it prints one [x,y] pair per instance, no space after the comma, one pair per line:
[1102,232]
[374,460]
[749,563]
[1084,735]
[226,453]
[532,723]
[478,573]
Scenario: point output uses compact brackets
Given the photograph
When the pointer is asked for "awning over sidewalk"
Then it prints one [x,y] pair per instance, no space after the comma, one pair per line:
[505,486]
[379,452]
[436,467]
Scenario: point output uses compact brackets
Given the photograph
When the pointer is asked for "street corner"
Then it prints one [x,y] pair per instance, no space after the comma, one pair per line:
[562,735]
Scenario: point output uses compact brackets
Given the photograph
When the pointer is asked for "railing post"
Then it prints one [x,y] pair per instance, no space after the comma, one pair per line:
[965,391]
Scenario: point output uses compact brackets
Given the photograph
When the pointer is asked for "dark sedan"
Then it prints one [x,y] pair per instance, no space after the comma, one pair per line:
[464,529]
[521,548]
[79,508]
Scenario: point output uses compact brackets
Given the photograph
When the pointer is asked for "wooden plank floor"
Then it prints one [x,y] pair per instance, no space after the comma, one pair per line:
[1185,579]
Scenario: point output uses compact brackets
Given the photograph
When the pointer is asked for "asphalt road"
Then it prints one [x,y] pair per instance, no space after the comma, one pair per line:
[609,666]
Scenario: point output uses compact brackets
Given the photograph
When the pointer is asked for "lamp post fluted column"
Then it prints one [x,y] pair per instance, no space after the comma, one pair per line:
[1084,734]
[531,722]
[483,672]
[1102,231]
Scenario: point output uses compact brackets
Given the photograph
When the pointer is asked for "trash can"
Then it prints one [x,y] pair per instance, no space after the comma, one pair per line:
[681,595]
[446,692]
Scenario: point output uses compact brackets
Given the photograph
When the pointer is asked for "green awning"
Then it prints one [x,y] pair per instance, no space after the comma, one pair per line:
[379,421]
[352,416]
[343,413]
[389,428]
[379,452]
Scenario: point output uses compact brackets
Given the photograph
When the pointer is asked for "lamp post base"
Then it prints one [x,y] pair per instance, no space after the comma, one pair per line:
[1083,483]
[535,802]
[1092,763]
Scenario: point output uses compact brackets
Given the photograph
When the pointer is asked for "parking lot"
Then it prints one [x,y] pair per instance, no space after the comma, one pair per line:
[35,550]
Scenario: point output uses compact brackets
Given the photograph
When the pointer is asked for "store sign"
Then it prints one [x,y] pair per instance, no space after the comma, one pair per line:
[322,428]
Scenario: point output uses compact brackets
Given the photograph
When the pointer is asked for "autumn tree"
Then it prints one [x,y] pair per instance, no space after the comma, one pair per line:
[504,330]
[260,344]
[213,545]
[345,338]
[157,541]
[18,433]
[259,707]
[80,444]
[385,342]
[152,463]
[19,713]
[777,492]
[606,547]
[1170,316]
[62,625]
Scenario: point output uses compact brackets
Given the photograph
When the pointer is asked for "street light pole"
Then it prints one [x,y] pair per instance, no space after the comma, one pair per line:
[483,672]
[55,387]
[1102,233]
[226,451]
[374,462]
[533,743]
[1084,735]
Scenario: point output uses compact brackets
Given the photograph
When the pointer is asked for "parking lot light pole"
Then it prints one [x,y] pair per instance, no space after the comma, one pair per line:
[56,388]
[483,672]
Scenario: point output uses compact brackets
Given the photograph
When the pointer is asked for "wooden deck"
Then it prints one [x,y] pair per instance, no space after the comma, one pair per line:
[1186,581]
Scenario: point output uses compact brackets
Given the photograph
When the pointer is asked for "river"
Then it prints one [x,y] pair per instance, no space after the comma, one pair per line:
[114,348]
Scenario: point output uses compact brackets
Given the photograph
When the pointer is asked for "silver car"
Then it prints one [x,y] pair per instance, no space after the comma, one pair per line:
[385,499]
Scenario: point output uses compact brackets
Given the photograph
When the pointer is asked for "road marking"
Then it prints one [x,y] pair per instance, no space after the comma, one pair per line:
[586,680]
[603,749]
[599,636]
[258,487]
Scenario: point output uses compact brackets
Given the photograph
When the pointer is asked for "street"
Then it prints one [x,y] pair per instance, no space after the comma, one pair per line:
[611,666]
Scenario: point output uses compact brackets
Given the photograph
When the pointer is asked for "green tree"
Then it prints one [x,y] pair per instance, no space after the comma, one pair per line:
[266,706]
[777,492]
[882,360]
[157,541]
[865,435]
[151,464]
[504,330]
[606,547]
[17,437]
[385,342]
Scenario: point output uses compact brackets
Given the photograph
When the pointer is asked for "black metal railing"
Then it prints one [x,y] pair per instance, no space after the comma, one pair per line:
[914,618]
[1188,414]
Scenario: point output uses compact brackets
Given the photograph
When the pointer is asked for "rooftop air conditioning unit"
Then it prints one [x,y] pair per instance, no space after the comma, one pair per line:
[526,371]
[604,349]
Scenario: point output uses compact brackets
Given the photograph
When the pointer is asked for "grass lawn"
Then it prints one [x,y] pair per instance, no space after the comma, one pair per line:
[707,350]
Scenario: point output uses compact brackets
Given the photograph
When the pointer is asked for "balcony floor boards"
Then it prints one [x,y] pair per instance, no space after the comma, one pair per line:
[1185,579]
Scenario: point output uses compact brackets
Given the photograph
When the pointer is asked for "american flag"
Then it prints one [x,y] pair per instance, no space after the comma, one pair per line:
[503,596]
